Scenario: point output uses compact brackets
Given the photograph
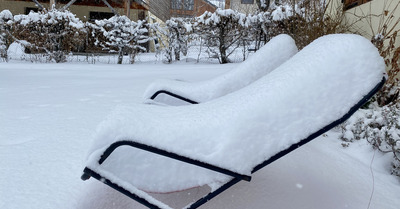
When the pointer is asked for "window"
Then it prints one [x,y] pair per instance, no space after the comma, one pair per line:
[29,9]
[100,15]
[141,15]
[188,4]
[176,4]
[247,1]
[182,4]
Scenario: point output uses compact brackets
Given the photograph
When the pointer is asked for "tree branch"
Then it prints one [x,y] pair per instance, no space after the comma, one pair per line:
[109,6]
[38,4]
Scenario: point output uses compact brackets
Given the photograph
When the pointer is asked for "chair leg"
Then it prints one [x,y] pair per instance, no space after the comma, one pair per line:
[141,200]
[90,173]
[213,194]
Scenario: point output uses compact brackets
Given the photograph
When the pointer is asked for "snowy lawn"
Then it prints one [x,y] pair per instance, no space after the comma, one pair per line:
[48,113]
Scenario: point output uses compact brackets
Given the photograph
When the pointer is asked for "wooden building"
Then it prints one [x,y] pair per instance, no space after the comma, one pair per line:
[190,8]
[86,10]
[348,4]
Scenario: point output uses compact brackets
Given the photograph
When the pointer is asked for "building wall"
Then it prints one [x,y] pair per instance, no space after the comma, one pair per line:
[203,6]
[152,43]
[376,8]
[160,8]
[238,5]
[16,7]
[199,7]
[81,11]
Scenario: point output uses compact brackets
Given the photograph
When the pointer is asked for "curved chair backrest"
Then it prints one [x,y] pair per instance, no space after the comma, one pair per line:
[267,58]
[301,99]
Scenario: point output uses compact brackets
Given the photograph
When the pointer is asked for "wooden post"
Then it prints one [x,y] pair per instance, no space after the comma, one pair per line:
[52,2]
[38,4]
[127,7]
[227,4]
[109,6]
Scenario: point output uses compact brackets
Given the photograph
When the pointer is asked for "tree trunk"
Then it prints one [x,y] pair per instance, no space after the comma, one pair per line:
[120,55]
[177,54]
[177,49]
[127,8]
[52,4]
[228,4]
[222,47]
[132,56]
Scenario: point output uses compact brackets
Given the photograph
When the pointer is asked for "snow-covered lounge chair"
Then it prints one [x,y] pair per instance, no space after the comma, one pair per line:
[162,149]
[267,58]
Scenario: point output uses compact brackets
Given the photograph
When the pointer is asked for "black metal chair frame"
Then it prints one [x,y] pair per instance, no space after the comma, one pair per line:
[172,95]
[87,172]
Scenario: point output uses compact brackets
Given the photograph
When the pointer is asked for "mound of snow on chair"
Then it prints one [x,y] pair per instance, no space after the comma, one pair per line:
[238,131]
[267,58]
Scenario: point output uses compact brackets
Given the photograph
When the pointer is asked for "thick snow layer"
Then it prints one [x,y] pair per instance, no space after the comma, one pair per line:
[16,51]
[240,130]
[5,15]
[51,17]
[49,111]
[269,57]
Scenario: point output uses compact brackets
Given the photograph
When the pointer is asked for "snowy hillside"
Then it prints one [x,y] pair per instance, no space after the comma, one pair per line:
[48,113]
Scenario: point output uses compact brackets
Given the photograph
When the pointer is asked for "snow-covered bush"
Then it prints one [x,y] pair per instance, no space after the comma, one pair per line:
[6,19]
[176,31]
[263,5]
[221,32]
[94,39]
[306,21]
[260,30]
[16,51]
[122,35]
[380,126]
[384,38]
[53,32]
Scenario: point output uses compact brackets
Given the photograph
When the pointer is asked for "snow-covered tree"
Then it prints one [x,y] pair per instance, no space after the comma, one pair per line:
[221,31]
[54,32]
[6,19]
[263,5]
[123,35]
[177,32]
[259,32]
[304,20]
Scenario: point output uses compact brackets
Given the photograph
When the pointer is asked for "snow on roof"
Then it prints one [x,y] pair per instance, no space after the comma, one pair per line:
[242,129]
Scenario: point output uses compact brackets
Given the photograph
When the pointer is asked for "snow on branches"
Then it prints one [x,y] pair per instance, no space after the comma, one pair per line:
[380,126]
[6,19]
[123,35]
[54,32]
[221,31]
[177,30]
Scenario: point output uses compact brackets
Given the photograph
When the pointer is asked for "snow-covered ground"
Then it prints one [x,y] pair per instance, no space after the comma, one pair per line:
[48,113]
